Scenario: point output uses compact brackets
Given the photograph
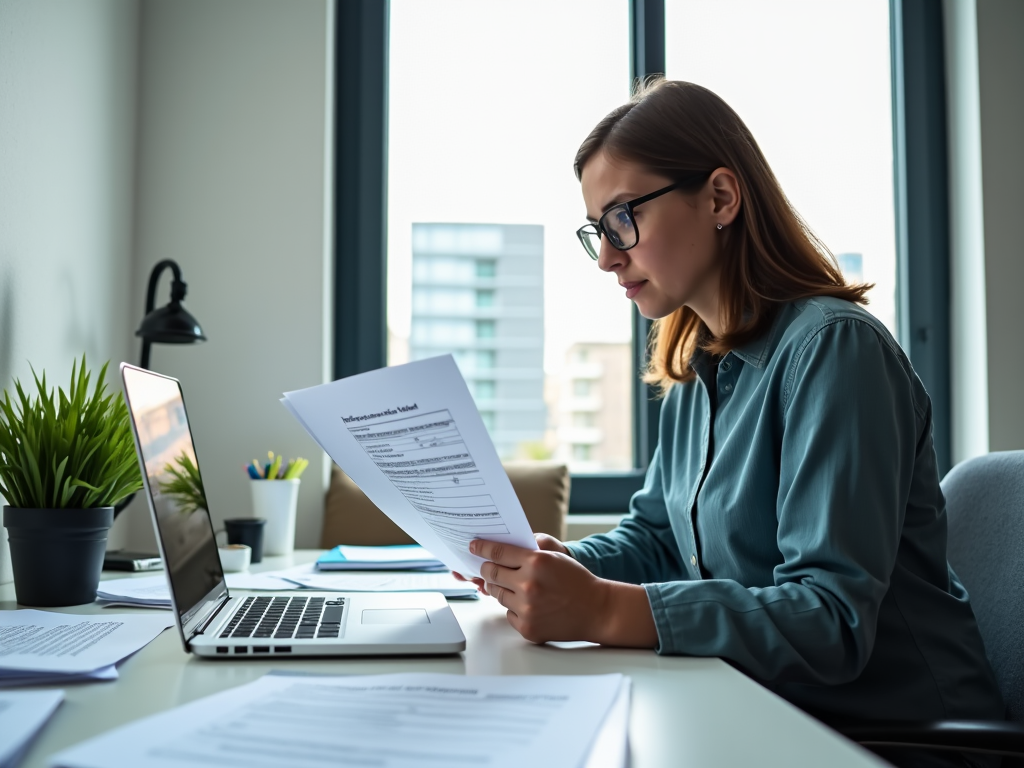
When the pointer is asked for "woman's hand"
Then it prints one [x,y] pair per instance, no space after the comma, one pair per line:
[549,543]
[550,596]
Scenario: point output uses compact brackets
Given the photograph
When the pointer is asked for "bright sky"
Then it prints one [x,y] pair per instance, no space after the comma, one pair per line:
[489,101]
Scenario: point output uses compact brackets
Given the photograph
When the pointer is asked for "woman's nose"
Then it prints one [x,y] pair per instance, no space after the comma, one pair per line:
[610,258]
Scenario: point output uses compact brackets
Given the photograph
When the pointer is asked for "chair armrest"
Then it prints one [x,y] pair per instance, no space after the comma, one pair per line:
[979,736]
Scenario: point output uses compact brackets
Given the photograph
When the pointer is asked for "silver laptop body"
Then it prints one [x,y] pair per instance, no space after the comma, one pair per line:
[214,623]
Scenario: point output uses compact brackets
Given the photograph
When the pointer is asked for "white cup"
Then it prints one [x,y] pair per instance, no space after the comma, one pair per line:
[235,557]
[276,502]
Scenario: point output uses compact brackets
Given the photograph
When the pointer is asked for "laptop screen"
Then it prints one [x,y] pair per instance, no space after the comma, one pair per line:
[175,489]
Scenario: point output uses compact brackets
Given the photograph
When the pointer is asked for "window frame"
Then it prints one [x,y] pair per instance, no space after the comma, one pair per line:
[360,185]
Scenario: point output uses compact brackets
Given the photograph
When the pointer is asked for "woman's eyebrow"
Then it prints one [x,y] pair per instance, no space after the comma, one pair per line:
[621,197]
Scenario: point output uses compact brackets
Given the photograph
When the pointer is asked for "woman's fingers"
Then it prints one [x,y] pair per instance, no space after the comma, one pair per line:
[496,552]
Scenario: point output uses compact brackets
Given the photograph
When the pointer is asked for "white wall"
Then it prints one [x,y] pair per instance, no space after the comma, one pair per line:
[67,132]
[67,120]
[985,76]
[234,184]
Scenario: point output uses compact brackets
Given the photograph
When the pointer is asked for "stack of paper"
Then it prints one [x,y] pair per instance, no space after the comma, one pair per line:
[43,647]
[402,557]
[152,591]
[390,721]
[23,714]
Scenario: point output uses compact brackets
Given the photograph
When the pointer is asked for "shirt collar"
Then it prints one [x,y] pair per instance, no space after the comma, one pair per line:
[758,351]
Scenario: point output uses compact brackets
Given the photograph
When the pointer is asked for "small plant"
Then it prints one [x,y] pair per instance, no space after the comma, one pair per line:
[185,485]
[67,450]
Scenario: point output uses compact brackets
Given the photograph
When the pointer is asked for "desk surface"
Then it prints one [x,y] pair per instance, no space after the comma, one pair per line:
[685,711]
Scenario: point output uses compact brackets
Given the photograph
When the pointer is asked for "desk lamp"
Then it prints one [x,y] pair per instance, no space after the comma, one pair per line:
[171,324]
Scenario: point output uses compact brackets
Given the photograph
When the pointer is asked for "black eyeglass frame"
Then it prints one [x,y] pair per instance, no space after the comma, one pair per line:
[601,231]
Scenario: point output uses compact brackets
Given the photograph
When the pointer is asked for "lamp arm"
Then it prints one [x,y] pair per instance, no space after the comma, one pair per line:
[154,279]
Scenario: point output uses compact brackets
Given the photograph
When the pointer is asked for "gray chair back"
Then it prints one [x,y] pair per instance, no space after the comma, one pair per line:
[985,506]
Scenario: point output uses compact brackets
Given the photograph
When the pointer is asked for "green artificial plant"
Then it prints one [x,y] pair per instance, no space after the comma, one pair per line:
[69,450]
[185,485]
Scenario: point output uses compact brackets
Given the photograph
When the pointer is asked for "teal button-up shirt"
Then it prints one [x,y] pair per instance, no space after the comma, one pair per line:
[792,523]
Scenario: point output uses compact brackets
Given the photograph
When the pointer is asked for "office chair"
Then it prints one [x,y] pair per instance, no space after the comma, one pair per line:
[985,509]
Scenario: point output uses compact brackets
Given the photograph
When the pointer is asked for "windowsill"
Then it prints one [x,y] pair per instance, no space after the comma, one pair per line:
[583,524]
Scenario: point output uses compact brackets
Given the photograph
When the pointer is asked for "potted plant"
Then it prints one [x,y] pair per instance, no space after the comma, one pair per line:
[65,460]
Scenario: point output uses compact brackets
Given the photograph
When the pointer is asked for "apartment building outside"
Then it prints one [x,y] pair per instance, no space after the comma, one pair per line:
[478,293]
[594,431]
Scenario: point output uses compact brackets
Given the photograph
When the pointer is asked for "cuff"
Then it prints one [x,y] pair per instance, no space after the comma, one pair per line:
[661,620]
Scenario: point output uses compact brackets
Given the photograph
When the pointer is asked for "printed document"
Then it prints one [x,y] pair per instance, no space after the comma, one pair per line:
[22,715]
[388,721]
[45,642]
[411,438]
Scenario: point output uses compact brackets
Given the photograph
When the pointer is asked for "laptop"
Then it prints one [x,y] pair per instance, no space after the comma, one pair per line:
[216,624]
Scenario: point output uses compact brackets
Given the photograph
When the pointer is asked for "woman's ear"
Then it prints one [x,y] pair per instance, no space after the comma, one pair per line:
[726,198]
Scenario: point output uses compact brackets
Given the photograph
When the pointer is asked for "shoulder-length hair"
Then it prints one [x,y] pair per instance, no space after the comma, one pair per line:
[769,255]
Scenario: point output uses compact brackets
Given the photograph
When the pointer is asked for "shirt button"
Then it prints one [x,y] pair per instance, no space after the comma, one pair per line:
[725,366]
[693,560]
[728,387]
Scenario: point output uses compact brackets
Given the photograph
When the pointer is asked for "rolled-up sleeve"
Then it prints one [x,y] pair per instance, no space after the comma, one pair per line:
[642,548]
[850,433]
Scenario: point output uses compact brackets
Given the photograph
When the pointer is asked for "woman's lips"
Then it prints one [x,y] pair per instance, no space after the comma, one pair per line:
[632,289]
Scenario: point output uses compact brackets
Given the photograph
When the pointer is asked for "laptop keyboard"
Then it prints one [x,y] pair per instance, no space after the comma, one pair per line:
[299,618]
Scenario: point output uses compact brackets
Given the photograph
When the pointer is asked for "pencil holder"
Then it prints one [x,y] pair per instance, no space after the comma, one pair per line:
[276,501]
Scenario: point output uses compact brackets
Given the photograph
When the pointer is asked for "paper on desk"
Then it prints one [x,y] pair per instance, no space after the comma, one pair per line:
[152,591]
[382,581]
[63,643]
[412,439]
[22,716]
[21,679]
[390,721]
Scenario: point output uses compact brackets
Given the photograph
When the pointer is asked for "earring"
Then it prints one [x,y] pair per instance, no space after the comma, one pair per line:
[719,226]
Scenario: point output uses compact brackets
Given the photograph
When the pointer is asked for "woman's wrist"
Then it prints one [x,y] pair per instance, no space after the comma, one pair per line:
[623,616]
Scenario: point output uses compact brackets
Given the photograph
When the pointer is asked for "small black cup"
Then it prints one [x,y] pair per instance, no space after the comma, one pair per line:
[248,531]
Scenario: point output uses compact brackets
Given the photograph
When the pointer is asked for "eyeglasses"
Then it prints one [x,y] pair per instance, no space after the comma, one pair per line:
[618,223]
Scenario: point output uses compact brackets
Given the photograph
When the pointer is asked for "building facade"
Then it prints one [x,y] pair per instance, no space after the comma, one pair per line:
[478,293]
[595,394]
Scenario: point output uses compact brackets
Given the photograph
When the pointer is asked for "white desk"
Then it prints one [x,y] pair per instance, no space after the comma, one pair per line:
[685,711]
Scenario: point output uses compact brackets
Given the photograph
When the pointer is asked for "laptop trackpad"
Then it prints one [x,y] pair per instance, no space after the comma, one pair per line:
[395,616]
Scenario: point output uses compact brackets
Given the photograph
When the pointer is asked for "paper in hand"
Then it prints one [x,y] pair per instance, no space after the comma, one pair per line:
[411,438]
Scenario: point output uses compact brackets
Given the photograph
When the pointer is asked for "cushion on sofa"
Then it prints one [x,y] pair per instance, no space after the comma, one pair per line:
[351,518]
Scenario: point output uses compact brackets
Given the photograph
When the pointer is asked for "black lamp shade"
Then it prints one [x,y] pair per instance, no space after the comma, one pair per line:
[171,324]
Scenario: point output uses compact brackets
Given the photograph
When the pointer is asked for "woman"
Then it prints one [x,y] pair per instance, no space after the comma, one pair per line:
[791,521]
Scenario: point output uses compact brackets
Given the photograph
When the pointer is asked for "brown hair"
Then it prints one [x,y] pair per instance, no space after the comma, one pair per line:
[769,255]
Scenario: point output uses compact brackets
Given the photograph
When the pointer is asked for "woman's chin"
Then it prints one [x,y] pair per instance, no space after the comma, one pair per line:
[653,310]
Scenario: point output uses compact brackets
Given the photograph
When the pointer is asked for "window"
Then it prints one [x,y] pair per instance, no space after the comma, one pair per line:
[487,105]
[580,452]
[486,359]
[581,388]
[484,389]
[813,84]
[583,419]
[488,419]
[476,193]
[486,329]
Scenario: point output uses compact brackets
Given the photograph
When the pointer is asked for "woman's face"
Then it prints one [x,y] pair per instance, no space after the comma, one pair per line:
[675,261]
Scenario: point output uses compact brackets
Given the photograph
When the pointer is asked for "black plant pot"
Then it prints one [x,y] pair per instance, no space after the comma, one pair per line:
[57,554]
